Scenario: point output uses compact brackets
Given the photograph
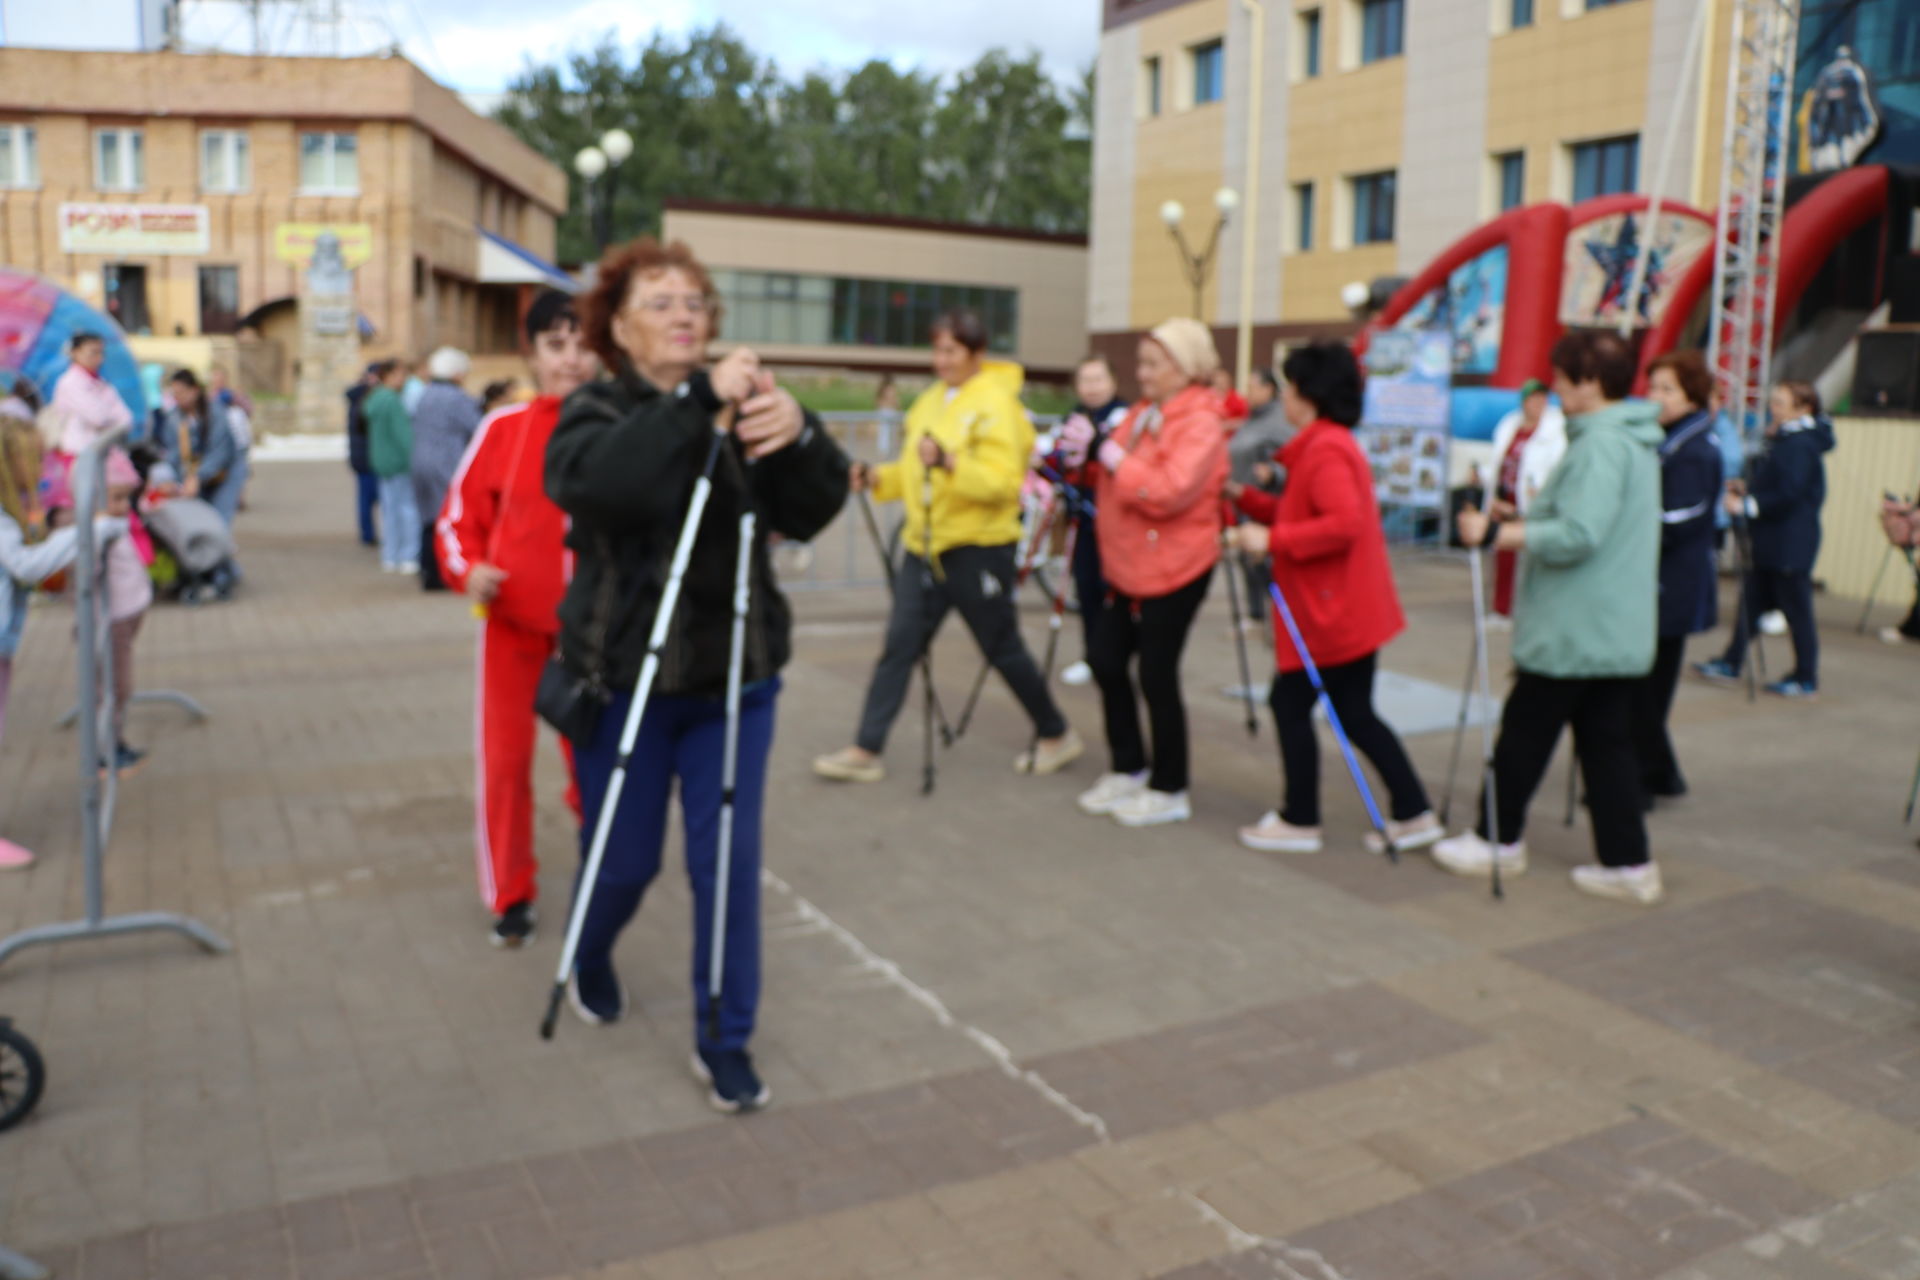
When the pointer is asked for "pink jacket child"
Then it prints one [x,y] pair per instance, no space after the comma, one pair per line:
[88,406]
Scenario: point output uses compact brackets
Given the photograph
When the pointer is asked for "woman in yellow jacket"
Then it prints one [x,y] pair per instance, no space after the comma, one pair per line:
[967,441]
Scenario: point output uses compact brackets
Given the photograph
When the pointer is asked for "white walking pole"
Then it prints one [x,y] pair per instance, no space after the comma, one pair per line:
[630,733]
[729,771]
[1486,721]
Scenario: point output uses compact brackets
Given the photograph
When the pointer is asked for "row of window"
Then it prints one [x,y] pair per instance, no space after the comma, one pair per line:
[1605,166]
[805,310]
[1382,28]
[329,162]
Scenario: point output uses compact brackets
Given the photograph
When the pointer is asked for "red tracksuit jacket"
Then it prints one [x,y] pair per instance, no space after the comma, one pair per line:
[497,512]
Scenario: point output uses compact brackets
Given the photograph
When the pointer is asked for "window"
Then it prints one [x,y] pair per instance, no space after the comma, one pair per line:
[1309,37]
[1150,85]
[1602,4]
[330,164]
[119,159]
[219,299]
[1605,166]
[1510,179]
[897,313]
[1520,14]
[1373,197]
[225,161]
[126,288]
[1302,216]
[1209,73]
[1382,29]
[19,156]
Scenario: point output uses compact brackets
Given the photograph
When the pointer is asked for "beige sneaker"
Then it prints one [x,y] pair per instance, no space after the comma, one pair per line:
[1111,790]
[1639,884]
[850,764]
[1414,833]
[1046,759]
[1273,834]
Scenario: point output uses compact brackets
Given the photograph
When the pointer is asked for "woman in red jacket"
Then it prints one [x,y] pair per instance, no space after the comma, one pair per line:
[1330,560]
[1156,489]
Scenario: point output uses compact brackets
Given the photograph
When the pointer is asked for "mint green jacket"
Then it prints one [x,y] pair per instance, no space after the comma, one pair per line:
[1589,578]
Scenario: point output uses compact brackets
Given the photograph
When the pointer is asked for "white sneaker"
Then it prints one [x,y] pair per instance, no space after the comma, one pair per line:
[1468,855]
[1414,833]
[1894,635]
[1153,809]
[1273,834]
[1103,796]
[1077,674]
[409,568]
[1639,884]
[1500,623]
[1773,623]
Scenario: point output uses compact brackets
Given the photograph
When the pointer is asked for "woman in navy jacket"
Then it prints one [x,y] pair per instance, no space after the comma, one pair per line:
[1690,483]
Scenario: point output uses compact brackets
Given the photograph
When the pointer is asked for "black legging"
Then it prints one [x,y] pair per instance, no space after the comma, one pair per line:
[1350,687]
[1652,701]
[1155,629]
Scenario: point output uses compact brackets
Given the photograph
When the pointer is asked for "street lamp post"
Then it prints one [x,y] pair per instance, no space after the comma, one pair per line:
[1198,265]
[593,163]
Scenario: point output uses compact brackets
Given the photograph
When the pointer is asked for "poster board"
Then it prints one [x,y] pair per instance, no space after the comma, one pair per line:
[1406,416]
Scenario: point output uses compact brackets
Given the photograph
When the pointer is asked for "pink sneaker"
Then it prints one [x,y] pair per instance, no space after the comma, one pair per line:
[13,857]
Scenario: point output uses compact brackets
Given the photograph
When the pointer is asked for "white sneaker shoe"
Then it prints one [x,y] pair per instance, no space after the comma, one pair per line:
[1077,674]
[1773,623]
[1499,623]
[1414,833]
[1639,884]
[1468,855]
[1112,788]
[1153,809]
[1273,834]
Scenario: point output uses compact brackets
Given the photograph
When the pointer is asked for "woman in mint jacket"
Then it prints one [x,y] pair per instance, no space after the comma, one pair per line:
[1583,624]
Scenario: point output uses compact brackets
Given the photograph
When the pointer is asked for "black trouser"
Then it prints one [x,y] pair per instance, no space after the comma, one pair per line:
[430,579]
[1600,712]
[1155,629]
[1911,627]
[978,581]
[1088,585]
[1791,592]
[1350,689]
[1259,571]
[1652,701]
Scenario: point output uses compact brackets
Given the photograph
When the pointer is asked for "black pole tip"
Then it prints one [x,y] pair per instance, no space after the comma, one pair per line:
[548,1023]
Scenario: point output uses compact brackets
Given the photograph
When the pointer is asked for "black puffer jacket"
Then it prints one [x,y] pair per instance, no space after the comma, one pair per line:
[622,464]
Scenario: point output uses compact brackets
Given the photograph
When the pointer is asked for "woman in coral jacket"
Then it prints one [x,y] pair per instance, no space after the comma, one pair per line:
[499,539]
[1156,488]
[1330,560]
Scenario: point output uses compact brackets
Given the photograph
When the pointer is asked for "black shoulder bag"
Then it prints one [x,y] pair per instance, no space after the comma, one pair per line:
[572,704]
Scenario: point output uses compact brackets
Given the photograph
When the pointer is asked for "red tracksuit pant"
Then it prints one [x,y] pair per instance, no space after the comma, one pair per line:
[510,662]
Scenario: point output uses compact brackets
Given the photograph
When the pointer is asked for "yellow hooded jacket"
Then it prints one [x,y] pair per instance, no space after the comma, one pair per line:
[987,435]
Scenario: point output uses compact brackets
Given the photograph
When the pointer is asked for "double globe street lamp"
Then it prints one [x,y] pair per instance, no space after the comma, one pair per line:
[1198,265]
[594,162]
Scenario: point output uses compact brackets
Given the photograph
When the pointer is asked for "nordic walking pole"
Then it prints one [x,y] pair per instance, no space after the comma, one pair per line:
[886,564]
[1873,592]
[1230,561]
[1055,617]
[1333,718]
[1492,800]
[1460,731]
[729,772]
[630,731]
[1022,572]
[926,645]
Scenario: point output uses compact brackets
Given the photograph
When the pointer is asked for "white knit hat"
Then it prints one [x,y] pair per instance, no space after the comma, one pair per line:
[1190,343]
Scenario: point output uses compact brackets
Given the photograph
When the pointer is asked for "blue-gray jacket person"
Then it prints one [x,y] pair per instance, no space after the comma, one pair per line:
[1780,515]
[1691,482]
[443,426]
[197,441]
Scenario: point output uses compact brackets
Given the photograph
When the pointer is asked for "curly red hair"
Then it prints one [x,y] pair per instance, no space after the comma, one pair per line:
[620,267]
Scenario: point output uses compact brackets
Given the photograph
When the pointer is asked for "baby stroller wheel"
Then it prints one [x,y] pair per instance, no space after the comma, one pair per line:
[22,1076]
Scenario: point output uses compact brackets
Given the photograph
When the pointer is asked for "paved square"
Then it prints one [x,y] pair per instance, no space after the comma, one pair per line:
[1006,1040]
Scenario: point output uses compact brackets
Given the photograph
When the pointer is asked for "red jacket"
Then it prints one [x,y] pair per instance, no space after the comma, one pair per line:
[497,512]
[1329,550]
[1159,521]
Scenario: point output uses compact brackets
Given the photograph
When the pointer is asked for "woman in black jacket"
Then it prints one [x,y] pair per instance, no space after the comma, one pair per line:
[1681,387]
[622,464]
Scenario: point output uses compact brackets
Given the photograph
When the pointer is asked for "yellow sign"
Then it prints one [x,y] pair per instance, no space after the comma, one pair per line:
[293,241]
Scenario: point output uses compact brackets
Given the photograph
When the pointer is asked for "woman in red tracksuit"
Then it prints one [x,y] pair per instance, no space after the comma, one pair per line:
[1330,560]
[499,540]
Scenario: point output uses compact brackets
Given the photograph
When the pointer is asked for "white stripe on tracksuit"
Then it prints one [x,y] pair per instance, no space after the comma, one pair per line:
[446,522]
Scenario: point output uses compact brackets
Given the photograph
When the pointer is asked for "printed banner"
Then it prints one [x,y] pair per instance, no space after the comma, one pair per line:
[134,230]
[293,241]
[1404,423]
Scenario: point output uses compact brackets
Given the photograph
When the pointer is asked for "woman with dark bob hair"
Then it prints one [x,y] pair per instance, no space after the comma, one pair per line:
[622,464]
[1330,560]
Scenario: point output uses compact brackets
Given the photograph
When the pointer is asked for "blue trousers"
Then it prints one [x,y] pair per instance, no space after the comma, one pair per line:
[399,523]
[682,738]
[366,492]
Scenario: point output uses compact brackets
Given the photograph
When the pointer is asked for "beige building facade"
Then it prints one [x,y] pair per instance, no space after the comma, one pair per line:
[1388,129]
[183,193]
[808,288]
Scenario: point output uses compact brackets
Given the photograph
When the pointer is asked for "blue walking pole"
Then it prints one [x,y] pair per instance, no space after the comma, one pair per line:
[1333,718]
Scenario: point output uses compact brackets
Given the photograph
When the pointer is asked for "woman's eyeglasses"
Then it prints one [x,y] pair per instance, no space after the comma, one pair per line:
[661,304]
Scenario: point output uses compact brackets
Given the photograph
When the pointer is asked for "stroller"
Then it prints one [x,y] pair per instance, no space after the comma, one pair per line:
[200,546]
[22,1075]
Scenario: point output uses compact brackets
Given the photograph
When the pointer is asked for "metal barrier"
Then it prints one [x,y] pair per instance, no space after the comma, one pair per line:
[99,783]
[839,558]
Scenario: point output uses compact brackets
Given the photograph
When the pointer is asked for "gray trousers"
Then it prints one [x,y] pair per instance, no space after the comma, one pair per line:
[978,581]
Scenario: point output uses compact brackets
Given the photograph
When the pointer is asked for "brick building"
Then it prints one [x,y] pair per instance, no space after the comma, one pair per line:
[179,192]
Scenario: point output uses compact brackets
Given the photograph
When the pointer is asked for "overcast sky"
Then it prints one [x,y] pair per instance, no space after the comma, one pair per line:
[477,45]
